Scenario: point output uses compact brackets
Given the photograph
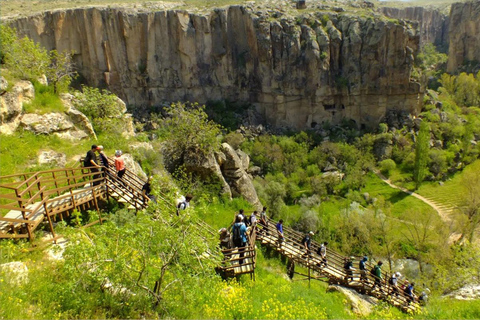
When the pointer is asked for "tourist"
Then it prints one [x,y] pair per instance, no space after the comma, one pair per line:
[377,274]
[264,220]
[393,281]
[239,235]
[120,164]
[348,266]
[103,160]
[225,238]
[253,218]
[307,241]
[147,190]
[322,251]
[184,203]
[279,226]
[91,162]
[363,268]
[410,292]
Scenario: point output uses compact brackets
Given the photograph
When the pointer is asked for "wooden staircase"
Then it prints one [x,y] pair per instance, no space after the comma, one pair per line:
[334,272]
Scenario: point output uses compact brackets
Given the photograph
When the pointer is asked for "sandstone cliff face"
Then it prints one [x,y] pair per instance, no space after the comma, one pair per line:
[296,71]
[464,34]
[432,23]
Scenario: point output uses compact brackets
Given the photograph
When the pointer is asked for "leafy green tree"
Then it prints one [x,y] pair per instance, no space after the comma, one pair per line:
[61,71]
[387,166]
[421,154]
[187,129]
[470,205]
[26,59]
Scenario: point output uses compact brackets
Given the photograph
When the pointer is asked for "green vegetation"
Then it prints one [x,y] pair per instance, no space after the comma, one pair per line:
[45,101]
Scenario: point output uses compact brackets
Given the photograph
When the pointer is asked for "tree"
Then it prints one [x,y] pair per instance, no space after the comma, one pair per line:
[60,72]
[421,154]
[187,128]
[26,59]
[470,204]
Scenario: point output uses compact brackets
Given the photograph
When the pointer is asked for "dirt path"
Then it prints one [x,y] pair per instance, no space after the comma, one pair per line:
[444,214]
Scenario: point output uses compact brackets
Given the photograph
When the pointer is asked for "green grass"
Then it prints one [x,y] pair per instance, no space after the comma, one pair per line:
[400,200]
[451,191]
[45,101]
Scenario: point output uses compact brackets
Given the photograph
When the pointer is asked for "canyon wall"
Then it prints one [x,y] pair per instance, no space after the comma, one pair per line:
[297,71]
[432,23]
[464,35]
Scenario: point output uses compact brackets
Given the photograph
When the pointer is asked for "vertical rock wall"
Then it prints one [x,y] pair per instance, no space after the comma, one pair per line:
[298,71]
[464,34]
[432,23]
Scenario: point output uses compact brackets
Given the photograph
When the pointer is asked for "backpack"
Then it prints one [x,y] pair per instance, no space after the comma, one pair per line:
[236,236]
[179,206]
[372,272]
[390,281]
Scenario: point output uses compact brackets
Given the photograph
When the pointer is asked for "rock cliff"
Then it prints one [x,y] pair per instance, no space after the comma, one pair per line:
[464,34]
[299,71]
[432,23]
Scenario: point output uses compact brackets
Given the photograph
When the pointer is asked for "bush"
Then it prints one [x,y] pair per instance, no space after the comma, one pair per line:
[386,166]
[45,100]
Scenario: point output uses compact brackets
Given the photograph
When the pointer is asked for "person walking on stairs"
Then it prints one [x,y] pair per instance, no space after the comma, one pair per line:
[147,190]
[349,268]
[307,241]
[393,282]
[239,235]
[363,269]
[322,251]
[184,203]
[264,220]
[377,274]
[279,227]
[91,162]
[120,165]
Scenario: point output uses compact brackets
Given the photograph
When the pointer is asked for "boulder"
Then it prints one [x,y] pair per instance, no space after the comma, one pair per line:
[244,158]
[47,123]
[11,105]
[78,118]
[236,176]
[206,166]
[52,158]
[362,305]
[15,273]
[468,292]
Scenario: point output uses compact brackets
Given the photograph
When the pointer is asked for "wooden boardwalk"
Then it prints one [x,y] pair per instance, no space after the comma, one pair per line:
[28,199]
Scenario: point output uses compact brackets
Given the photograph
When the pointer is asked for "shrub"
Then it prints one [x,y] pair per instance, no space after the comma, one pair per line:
[386,166]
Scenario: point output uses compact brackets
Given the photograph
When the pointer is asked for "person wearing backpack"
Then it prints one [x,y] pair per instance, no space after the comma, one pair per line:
[281,238]
[349,268]
[409,291]
[307,241]
[91,162]
[239,236]
[377,274]
[393,282]
[322,251]
[184,204]
[363,269]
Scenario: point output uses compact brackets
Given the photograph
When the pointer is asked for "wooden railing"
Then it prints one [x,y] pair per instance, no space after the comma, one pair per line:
[231,265]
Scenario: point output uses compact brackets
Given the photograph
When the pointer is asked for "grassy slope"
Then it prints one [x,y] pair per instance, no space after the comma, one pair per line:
[449,193]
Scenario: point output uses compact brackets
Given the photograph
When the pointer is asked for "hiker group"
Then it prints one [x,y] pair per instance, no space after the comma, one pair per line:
[100,165]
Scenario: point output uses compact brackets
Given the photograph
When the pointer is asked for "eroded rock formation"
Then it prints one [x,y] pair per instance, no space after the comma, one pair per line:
[464,34]
[432,23]
[297,71]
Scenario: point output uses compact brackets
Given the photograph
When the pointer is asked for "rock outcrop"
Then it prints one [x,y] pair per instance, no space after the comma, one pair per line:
[11,104]
[52,158]
[297,71]
[432,23]
[464,31]
[361,304]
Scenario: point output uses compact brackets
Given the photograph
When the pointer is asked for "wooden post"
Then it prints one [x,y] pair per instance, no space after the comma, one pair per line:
[49,219]
[308,263]
[56,184]
[29,191]
[96,205]
[22,208]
